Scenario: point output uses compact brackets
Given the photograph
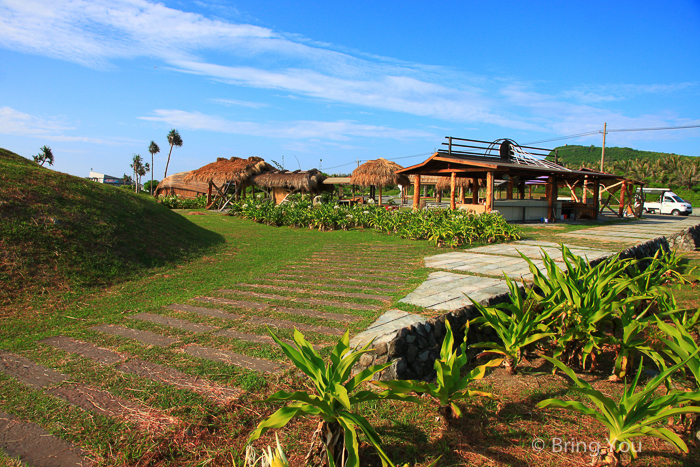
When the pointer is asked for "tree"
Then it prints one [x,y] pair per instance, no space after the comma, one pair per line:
[174,140]
[44,156]
[688,174]
[127,180]
[153,149]
[139,169]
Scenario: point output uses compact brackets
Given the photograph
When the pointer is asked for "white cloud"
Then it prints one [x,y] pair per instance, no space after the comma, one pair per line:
[297,130]
[16,123]
[252,105]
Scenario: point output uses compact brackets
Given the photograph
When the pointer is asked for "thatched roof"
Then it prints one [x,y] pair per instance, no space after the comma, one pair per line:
[379,172]
[425,179]
[443,183]
[235,170]
[177,181]
[310,181]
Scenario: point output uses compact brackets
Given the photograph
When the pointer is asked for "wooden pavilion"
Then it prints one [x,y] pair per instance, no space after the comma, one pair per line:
[379,173]
[227,178]
[482,162]
[281,183]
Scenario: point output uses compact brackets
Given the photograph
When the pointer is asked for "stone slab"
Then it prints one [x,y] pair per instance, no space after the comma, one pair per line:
[234,303]
[232,358]
[318,314]
[173,322]
[360,278]
[385,327]
[28,372]
[363,272]
[281,288]
[145,337]
[149,370]
[281,323]
[310,301]
[331,285]
[214,313]
[37,447]
[453,291]
[255,338]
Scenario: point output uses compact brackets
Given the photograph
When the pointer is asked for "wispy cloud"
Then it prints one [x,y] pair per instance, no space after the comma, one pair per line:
[252,105]
[16,123]
[297,130]
[616,92]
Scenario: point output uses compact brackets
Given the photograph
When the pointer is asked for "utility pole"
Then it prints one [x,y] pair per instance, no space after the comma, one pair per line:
[282,161]
[320,163]
[602,155]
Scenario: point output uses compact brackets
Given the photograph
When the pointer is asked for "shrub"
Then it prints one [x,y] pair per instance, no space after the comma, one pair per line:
[177,202]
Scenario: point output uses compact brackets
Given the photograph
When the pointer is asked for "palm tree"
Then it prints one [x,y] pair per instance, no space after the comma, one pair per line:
[139,169]
[688,174]
[153,149]
[44,156]
[174,140]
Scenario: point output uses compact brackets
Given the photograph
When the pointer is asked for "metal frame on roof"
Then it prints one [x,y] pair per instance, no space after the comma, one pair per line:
[504,149]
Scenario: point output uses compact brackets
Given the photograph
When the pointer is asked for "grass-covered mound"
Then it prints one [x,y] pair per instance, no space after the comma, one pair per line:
[62,233]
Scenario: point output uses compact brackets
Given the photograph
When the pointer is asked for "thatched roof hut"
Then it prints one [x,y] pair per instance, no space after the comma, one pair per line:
[175,184]
[380,173]
[308,181]
[443,183]
[234,170]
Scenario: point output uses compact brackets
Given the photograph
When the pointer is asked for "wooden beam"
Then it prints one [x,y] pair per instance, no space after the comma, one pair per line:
[453,184]
[584,196]
[416,192]
[380,195]
[521,190]
[209,195]
[509,189]
[475,191]
[596,196]
[489,191]
[623,192]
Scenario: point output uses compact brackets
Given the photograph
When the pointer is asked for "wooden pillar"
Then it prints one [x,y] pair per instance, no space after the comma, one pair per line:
[623,192]
[209,194]
[453,183]
[461,195]
[380,195]
[475,191]
[416,192]
[438,195]
[596,196]
[551,181]
[521,190]
[509,189]
[584,195]
[425,191]
[489,191]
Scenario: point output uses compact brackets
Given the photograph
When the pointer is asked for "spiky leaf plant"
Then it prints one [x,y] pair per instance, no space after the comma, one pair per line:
[635,414]
[450,386]
[518,324]
[336,394]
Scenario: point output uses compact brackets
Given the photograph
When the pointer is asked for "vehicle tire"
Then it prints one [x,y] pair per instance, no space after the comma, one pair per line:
[675,212]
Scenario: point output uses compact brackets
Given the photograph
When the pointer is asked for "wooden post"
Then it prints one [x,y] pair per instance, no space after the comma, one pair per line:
[453,183]
[209,194]
[530,190]
[509,189]
[596,196]
[475,191]
[584,196]
[489,191]
[550,198]
[461,195]
[425,191]
[380,195]
[623,192]
[438,195]
[416,192]
[521,190]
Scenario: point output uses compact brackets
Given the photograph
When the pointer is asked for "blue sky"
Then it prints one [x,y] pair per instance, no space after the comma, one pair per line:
[328,83]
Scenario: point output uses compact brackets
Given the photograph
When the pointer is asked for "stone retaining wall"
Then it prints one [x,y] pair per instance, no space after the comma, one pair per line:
[414,349]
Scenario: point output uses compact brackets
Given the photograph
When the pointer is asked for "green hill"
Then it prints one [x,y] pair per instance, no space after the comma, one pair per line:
[60,233]
[574,155]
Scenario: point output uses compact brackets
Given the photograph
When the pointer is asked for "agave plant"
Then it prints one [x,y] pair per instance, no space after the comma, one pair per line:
[584,299]
[633,339]
[335,395]
[635,414]
[518,324]
[450,386]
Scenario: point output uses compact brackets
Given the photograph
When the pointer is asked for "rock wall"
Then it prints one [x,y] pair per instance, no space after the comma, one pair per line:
[414,349]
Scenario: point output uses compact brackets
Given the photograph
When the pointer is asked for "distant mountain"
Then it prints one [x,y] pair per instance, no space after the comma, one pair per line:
[574,156]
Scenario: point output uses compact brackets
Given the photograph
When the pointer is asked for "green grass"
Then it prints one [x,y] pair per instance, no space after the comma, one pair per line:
[59,232]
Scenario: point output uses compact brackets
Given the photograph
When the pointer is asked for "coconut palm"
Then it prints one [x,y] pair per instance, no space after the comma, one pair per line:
[44,156]
[173,140]
[140,169]
[153,149]
[687,174]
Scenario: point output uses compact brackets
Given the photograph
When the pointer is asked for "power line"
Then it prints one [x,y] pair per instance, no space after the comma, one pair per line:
[580,135]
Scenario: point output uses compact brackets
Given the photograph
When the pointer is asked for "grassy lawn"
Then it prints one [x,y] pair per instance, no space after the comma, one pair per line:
[206,433]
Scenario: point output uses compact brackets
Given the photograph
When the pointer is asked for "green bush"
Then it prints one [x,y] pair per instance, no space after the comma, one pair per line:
[176,202]
[441,227]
